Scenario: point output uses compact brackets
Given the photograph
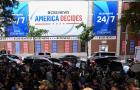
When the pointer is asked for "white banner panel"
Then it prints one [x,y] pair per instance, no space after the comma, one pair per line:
[58,17]
[104,37]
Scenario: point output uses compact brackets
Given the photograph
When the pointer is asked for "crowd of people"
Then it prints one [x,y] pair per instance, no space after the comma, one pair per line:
[52,77]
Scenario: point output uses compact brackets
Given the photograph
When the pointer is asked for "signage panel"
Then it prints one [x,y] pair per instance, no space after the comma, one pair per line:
[132,46]
[25,47]
[75,46]
[17,47]
[37,47]
[67,46]
[104,19]
[58,17]
[46,46]
[20,27]
[54,46]
[123,46]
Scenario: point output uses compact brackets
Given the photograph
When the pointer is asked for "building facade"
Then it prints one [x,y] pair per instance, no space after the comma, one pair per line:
[70,43]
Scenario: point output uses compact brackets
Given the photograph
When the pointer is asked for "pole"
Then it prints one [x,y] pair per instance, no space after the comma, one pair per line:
[87,48]
[126,40]
[34,45]
[119,28]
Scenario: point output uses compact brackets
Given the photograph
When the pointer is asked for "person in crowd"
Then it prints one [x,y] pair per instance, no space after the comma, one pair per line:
[43,85]
[87,87]
[1,86]
[69,85]
[3,51]
[132,84]
[95,84]
[49,77]
[19,86]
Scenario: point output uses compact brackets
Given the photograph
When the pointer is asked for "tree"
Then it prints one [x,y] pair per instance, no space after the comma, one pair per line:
[86,34]
[131,20]
[35,32]
[131,17]
[6,12]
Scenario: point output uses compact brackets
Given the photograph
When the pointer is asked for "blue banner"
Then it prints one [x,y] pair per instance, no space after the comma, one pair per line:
[105,16]
[37,47]
[75,46]
[17,47]
[54,46]
[20,27]
[132,46]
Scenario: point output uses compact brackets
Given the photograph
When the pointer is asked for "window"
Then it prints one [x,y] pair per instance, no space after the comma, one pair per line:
[54,46]
[25,47]
[75,46]
[67,46]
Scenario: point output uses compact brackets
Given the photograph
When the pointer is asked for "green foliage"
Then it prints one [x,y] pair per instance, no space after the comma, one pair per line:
[35,32]
[6,17]
[132,17]
[86,35]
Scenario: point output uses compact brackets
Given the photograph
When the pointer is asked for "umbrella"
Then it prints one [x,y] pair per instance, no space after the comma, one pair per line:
[115,66]
[102,61]
[135,67]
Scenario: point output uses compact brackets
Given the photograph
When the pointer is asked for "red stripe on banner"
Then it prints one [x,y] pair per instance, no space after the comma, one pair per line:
[123,46]
[25,47]
[46,46]
[67,46]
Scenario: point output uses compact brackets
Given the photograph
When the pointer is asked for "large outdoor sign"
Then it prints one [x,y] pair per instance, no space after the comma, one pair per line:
[104,19]
[58,17]
[20,26]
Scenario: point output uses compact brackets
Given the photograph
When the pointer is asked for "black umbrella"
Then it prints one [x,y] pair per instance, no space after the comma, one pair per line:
[30,59]
[135,67]
[115,66]
[102,61]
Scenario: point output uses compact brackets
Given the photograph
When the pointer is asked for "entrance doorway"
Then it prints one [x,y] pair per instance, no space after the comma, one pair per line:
[103,48]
